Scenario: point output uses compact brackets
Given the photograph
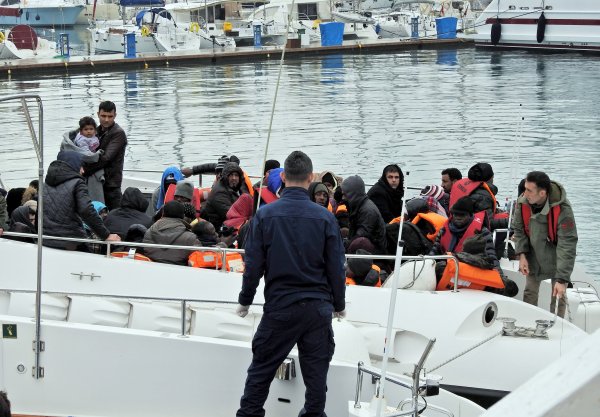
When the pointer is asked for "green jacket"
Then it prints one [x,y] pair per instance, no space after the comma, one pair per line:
[546,259]
[3,213]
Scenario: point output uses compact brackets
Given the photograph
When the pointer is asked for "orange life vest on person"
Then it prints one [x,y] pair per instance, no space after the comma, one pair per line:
[465,187]
[197,197]
[136,256]
[248,183]
[437,221]
[475,227]
[214,260]
[469,277]
[341,209]
[350,281]
[266,195]
[552,216]
[395,220]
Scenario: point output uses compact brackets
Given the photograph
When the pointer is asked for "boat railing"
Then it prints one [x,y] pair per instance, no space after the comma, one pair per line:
[222,252]
[417,386]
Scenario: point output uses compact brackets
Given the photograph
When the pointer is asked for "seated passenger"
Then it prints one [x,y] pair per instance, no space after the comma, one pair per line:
[464,231]
[31,193]
[240,212]
[170,176]
[22,220]
[132,211]
[208,237]
[387,193]
[318,192]
[362,271]
[223,195]
[367,227]
[170,230]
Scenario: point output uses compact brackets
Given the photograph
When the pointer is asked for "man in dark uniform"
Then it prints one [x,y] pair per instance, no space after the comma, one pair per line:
[297,245]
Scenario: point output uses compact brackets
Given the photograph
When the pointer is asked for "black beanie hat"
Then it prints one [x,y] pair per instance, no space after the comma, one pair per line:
[173,209]
[463,205]
[360,266]
[481,171]
[189,210]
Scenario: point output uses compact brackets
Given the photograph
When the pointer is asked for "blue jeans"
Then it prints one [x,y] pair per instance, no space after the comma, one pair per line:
[307,323]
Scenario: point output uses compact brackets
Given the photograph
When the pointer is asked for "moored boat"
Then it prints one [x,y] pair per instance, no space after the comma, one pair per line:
[40,13]
[21,42]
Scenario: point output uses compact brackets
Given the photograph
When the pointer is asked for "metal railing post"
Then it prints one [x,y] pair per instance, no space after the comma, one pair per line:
[183,317]
[359,380]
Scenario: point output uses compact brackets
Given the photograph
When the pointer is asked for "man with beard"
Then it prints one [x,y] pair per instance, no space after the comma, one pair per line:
[387,193]
[223,194]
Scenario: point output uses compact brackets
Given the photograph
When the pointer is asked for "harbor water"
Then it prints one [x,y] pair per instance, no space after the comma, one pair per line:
[425,110]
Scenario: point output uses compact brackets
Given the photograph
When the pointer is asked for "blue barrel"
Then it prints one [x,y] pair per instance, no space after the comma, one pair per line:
[130,51]
[414,27]
[257,34]
[332,33]
[446,27]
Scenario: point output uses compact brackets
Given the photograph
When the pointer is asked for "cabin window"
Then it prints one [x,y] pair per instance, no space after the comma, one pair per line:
[307,11]
[220,12]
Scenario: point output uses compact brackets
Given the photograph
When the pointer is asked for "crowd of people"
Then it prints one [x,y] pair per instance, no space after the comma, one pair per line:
[82,199]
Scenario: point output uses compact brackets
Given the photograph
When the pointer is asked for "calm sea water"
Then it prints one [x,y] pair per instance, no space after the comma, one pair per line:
[426,110]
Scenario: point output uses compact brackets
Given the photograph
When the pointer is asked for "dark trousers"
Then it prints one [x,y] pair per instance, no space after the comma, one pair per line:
[307,323]
[112,197]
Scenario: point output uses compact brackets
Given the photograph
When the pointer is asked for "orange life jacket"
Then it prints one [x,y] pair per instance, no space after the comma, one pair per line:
[350,281]
[469,277]
[552,216]
[197,197]
[475,227]
[395,220]
[248,183]
[437,221]
[213,260]
[341,209]
[136,256]
[266,195]
[465,187]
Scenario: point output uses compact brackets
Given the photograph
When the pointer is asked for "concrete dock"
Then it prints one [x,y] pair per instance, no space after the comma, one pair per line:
[117,62]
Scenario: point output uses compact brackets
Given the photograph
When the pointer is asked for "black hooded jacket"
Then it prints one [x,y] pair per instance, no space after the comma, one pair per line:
[222,196]
[388,200]
[67,205]
[132,211]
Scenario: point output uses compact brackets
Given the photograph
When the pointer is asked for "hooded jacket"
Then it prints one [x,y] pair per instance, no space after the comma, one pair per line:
[365,219]
[546,259]
[388,200]
[113,142]
[222,197]
[67,206]
[132,211]
[170,231]
[312,190]
[3,212]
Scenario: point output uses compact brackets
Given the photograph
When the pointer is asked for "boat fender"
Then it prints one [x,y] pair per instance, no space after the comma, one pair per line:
[2,37]
[496,32]
[377,28]
[145,31]
[541,28]
[194,27]
[37,17]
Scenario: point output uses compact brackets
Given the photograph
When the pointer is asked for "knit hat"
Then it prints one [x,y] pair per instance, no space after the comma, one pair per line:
[463,205]
[73,159]
[184,189]
[136,233]
[320,187]
[360,267]
[234,159]
[481,171]
[173,209]
[271,164]
[434,191]
[221,162]
[189,210]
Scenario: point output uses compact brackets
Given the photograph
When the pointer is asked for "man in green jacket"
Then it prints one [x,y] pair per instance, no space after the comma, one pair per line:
[545,238]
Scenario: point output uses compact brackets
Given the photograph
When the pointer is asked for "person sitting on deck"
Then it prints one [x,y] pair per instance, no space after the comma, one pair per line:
[132,211]
[223,195]
[387,193]
[367,228]
[170,230]
[171,175]
[362,271]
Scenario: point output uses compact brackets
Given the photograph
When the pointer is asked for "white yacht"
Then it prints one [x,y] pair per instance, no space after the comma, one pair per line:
[562,25]
[40,12]
[22,42]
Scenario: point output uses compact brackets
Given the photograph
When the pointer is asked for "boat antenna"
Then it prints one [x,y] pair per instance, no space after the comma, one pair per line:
[264,160]
[515,174]
[380,395]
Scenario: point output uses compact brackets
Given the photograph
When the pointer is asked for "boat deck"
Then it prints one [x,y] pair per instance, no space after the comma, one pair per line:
[116,62]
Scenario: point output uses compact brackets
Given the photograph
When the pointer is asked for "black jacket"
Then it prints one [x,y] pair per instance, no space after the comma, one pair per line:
[388,200]
[297,246]
[113,142]
[483,201]
[67,205]
[365,221]
[221,196]
[132,211]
